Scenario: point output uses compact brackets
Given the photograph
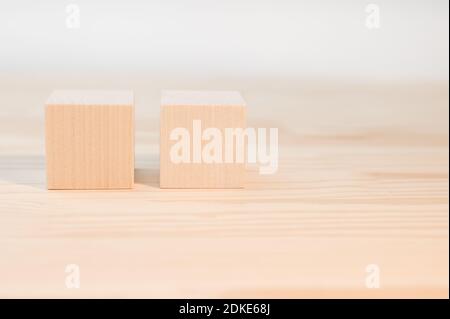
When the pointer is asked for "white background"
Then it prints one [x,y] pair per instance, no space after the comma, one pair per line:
[325,39]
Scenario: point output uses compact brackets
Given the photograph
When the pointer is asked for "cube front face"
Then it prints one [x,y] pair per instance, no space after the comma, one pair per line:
[195,174]
[90,146]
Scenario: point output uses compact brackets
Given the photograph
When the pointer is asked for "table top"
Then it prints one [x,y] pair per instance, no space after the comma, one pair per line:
[361,191]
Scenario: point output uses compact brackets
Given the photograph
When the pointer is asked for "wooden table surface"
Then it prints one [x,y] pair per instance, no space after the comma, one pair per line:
[362,180]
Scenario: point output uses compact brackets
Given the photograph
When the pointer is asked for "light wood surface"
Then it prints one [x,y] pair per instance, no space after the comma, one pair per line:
[90,140]
[363,179]
[193,112]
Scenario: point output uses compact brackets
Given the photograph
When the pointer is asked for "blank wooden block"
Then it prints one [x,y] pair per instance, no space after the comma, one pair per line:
[90,140]
[215,109]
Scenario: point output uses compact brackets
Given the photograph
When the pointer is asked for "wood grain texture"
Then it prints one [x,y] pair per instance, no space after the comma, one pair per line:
[214,109]
[363,179]
[90,140]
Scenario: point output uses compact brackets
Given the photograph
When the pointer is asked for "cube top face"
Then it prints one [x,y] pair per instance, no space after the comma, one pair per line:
[201,98]
[89,145]
[186,111]
[91,97]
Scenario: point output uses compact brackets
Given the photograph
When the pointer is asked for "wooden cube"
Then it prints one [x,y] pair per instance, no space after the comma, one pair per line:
[90,139]
[194,112]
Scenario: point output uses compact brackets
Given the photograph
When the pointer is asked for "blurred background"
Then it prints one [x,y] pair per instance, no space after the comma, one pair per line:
[297,53]
[239,38]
